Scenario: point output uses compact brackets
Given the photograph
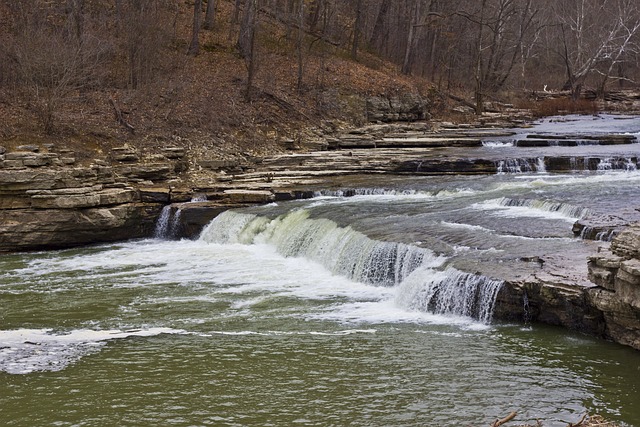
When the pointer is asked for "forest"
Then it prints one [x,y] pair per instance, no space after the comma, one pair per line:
[219,59]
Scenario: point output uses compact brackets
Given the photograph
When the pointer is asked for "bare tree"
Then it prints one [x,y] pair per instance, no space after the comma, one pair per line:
[194,46]
[53,62]
[593,33]
[356,29]
[246,42]
[210,15]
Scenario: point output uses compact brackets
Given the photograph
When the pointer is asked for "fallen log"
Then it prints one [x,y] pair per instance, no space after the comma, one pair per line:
[504,420]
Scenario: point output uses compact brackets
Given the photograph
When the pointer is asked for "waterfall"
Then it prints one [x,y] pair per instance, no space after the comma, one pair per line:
[600,235]
[162,226]
[521,166]
[565,209]
[168,225]
[617,163]
[526,317]
[351,192]
[349,253]
[341,250]
[451,292]
[170,222]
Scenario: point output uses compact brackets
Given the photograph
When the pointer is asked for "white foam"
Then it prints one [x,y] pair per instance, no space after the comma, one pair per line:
[496,208]
[28,350]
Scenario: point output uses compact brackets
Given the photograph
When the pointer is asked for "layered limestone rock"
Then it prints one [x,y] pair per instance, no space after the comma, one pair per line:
[616,271]
[408,107]
[48,201]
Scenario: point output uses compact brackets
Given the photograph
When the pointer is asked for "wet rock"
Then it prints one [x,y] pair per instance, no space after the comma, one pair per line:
[194,216]
[39,229]
[181,195]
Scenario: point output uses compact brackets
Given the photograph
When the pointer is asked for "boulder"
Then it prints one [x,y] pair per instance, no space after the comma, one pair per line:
[155,194]
[41,229]
[194,216]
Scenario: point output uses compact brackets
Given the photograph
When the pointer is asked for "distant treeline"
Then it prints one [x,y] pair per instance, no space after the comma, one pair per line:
[50,48]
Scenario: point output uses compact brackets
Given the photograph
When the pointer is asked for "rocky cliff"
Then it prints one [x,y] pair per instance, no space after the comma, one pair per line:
[616,271]
[48,201]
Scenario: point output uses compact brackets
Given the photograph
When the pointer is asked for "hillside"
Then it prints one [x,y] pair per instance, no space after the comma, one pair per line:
[200,102]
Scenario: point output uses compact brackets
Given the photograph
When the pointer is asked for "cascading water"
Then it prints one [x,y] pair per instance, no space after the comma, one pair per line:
[349,253]
[521,166]
[526,316]
[450,292]
[617,163]
[570,211]
[169,222]
[162,225]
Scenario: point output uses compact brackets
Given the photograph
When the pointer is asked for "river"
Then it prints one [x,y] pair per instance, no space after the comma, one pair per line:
[369,304]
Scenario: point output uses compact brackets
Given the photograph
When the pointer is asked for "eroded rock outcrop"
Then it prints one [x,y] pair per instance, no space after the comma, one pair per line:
[616,271]
[48,201]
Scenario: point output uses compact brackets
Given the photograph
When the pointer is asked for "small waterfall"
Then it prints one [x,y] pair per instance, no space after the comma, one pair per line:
[349,253]
[199,198]
[565,209]
[617,163]
[168,225]
[605,164]
[526,316]
[521,166]
[450,292]
[162,226]
[630,165]
[606,235]
[351,192]
[342,250]
[598,234]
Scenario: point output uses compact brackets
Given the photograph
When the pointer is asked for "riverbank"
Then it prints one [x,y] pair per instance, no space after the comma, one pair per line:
[50,200]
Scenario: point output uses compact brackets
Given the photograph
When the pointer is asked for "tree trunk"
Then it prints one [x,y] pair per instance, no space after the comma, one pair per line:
[377,36]
[247,30]
[408,53]
[210,15]
[478,72]
[194,46]
[299,45]
[251,68]
[356,30]
[236,12]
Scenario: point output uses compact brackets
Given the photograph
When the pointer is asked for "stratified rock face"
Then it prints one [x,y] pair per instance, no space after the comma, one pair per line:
[617,273]
[46,201]
[406,108]
[28,229]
